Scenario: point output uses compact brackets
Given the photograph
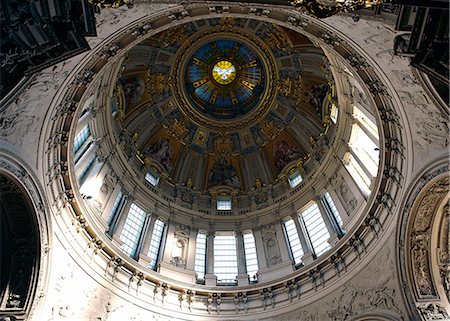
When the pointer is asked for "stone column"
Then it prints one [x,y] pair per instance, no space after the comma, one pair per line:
[116,219]
[262,263]
[190,264]
[331,225]
[308,256]
[169,242]
[143,237]
[85,119]
[284,250]
[143,258]
[117,226]
[110,203]
[85,158]
[210,278]
[242,276]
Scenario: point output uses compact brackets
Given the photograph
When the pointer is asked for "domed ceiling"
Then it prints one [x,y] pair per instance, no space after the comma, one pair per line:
[228,102]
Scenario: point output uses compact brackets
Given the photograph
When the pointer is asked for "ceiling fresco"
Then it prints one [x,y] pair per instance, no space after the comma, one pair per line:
[223,102]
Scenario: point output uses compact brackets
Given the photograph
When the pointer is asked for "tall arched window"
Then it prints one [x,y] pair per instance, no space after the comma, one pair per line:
[316,229]
[225,258]
[200,255]
[251,260]
[294,241]
[132,229]
[363,159]
[365,149]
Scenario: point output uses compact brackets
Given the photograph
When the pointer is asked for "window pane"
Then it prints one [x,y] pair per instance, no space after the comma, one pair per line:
[316,228]
[358,174]
[330,204]
[251,259]
[155,243]
[366,150]
[223,205]
[81,137]
[132,229]
[225,258]
[200,255]
[294,241]
[295,180]
[152,179]
[365,121]
[334,113]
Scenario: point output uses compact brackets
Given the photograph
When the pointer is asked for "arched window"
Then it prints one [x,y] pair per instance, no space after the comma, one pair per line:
[251,260]
[363,159]
[316,229]
[294,241]
[200,255]
[132,229]
[225,258]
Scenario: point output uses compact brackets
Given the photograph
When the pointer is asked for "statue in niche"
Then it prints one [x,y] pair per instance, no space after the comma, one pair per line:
[133,88]
[162,152]
[283,154]
[223,173]
[179,250]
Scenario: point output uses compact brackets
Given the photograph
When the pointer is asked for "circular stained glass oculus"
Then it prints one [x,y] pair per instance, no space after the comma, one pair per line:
[224,79]
[224,72]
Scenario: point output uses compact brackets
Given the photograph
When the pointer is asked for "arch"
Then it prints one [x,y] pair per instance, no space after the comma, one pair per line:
[423,261]
[25,240]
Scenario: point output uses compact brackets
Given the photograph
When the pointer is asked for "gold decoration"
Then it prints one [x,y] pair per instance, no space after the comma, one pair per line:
[223,144]
[226,23]
[178,129]
[284,86]
[224,72]
[157,83]
[201,137]
[269,130]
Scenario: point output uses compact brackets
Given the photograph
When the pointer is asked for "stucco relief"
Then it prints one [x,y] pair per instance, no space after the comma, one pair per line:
[420,236]
[16,122]
[362,295]
[351,302]
[271,247]
[443,251]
